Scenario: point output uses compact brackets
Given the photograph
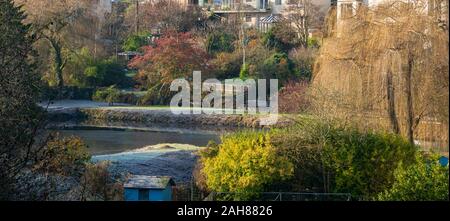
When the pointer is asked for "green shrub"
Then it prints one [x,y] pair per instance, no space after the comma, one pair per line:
[313,43]
[227,65]
[244,164]
[244,73]
[364,163]
[156,95]
[84,70]
[102,94]
[105,73]
[135,42]
[219,42]
[278,66]
[425,179]
[342,160]
[78,60]
[113,95]
[304,60]
[281,38]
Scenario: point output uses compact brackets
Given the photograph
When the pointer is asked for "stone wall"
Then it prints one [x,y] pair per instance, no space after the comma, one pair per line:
[163,116]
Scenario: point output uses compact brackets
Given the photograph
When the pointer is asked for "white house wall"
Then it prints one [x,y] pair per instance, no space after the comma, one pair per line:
[277,9]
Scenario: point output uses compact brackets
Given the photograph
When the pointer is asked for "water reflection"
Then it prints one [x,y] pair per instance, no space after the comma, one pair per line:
[104,141]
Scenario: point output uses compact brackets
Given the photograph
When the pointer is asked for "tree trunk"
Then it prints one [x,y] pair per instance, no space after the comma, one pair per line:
[409,99]
[58,68]
[306,28]
[59,63]
[137,17]
[391,103]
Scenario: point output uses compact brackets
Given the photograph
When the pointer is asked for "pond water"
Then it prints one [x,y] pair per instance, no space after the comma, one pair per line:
[106,141]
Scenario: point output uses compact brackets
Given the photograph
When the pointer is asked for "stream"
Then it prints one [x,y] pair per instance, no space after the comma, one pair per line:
[112,141]
[152,151]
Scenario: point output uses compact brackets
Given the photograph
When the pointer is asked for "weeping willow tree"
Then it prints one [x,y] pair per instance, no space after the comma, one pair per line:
[387,67]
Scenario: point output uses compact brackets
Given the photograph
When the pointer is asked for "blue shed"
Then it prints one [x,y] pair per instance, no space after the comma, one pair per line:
[148,188]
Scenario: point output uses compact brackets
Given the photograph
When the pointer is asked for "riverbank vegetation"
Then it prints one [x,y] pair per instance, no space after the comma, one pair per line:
[318,157]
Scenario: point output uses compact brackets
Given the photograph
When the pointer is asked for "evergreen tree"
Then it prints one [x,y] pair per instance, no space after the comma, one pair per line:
[19,114]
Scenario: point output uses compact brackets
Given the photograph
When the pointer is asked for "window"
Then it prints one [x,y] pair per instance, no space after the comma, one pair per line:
[277,2]
[144,195]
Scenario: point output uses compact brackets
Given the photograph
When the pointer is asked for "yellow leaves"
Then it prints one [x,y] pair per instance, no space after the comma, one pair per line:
[253,43]
[245,163]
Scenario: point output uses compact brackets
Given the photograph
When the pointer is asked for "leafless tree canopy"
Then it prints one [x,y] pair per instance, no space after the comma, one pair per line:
[162,15]
[62,27]
[303,16]
[388,67]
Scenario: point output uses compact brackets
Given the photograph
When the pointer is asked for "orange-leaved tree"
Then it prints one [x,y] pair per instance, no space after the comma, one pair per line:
[175,55]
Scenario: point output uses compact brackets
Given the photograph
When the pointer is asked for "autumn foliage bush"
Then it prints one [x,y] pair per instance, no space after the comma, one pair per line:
[175,55]
[244,163]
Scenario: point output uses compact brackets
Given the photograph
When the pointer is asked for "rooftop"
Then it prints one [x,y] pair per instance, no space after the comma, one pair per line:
[149,182]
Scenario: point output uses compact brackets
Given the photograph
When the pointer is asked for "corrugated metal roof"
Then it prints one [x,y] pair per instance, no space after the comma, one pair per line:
[149,182]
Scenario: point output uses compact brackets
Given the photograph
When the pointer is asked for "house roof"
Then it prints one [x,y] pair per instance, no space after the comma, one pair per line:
[148,182]
[270,19]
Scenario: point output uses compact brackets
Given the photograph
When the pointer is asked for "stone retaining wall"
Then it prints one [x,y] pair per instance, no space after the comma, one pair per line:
[163,116]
